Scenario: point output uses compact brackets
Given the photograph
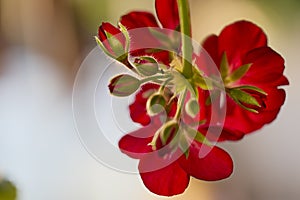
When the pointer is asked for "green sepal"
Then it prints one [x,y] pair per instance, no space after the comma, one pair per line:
[199,80]
[118,56]
[187,153]
[224,66]
[181,83]
[116,46]
[241,97]
[98,41]
[124,30]
[238,73]
[250,87]
[203,82]
[194,134]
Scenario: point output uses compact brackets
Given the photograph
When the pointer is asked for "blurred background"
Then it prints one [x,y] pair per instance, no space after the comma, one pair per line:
[42,44]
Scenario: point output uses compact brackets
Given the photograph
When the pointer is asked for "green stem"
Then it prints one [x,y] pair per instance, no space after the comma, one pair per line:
[185,28]
[154,78]
[180,105]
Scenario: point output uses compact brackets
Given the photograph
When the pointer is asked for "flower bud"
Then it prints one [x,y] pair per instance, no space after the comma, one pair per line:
[112,41]
[156,104]
[123,85]
[192,107]
[146,66]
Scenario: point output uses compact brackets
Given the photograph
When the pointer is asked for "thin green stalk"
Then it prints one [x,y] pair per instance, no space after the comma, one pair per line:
[154,78]
[180,104]
[185,28]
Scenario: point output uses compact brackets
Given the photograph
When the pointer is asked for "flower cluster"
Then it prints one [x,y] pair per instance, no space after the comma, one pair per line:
[187,101]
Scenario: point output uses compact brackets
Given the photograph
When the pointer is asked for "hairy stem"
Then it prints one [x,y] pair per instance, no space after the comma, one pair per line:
[185,28]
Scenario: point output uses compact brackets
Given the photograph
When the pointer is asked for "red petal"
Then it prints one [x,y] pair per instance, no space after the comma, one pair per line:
[232,135]
[275,99]
[138,20]
[136,143]
[239,38]
[273,102]
[138,112]
[110,28]
[215,165]
[167,13]
[266,69]
[247,122]
[169,180]
[210,44]
[142,41]
[219,134]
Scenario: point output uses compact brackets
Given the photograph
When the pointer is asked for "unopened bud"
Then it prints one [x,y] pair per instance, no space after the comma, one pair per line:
[192,107]
[156,104]
[112,41]
[146,66]
[123,85]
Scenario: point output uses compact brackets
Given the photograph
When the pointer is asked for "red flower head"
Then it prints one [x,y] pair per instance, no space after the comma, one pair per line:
[252,73]
[166,172]
[176,102]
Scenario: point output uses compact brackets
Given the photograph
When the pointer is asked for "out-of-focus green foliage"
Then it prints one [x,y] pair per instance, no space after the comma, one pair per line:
[281,9]
[91,12]
[7,190]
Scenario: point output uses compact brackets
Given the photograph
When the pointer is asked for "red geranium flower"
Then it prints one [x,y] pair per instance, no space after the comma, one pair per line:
[245,43]
[169,175]
[168,150]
